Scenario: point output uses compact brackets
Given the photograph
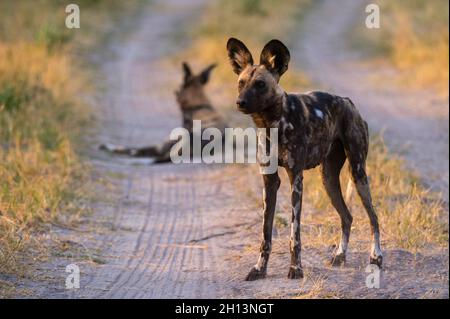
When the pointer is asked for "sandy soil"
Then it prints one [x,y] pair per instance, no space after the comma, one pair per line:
[193,231]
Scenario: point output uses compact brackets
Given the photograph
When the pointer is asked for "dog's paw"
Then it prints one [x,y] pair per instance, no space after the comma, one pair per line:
[295,273]
[338,260]
[255,274]
[376,260]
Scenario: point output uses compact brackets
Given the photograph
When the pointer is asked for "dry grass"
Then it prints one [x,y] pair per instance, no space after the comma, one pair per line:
[42,116]
[39,121]
[414,35]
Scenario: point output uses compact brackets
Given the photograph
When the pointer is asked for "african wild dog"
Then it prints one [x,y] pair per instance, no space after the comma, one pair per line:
[315,128]
[194,105]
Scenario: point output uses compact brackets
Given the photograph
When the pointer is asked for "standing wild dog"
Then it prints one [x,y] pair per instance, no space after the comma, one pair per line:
[315,128]
[194,105]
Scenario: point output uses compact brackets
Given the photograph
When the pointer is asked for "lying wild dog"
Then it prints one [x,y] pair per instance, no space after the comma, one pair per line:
[315,128]
[194,105]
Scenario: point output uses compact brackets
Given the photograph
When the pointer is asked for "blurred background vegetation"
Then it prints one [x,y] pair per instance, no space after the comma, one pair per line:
[42,113]
[413,37]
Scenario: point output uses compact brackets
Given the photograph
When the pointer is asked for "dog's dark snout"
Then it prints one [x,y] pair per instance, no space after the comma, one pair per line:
[241,102]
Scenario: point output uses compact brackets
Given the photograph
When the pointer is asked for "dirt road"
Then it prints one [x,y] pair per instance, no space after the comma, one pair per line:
[160,209]
[193,231]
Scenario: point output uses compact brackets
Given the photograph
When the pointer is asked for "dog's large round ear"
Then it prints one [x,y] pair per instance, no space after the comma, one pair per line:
[275,57]
[187,72]
[204,75]
[239,55]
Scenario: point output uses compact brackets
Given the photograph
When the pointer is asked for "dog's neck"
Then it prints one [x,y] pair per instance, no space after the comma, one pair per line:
[271,115]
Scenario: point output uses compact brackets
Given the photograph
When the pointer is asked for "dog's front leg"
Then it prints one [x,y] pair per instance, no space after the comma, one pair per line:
[296,179]
[271,185]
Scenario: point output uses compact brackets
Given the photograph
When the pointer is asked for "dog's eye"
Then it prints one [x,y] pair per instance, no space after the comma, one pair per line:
[241,84]
[260,84]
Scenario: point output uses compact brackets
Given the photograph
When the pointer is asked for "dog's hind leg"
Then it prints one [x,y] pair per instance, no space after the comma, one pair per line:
[363,189]
[331,169]
[356,150]
[271,185]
